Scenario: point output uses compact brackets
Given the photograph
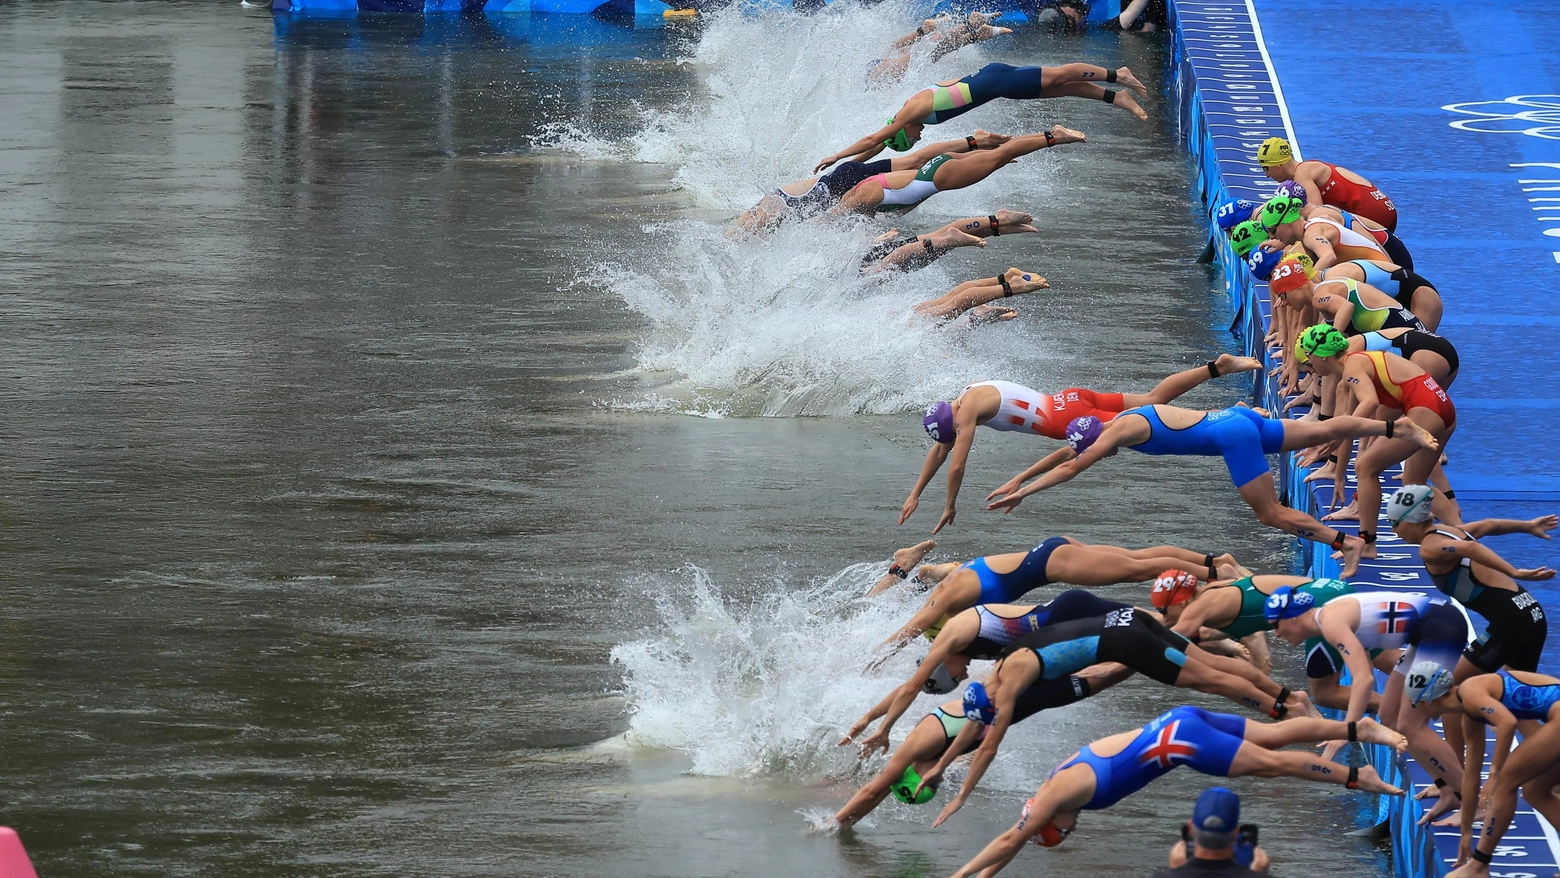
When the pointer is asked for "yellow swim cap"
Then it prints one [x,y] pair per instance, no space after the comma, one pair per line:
[935,628]
[1273,152]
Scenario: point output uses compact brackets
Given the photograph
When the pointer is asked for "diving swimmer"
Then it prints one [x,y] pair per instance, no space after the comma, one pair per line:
[1103,773]
[939,103]
[947,37]
[1242,436]
[972,297]
[893,251]
[1009,407]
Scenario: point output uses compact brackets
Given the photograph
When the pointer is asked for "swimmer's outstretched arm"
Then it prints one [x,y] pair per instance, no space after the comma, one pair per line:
[1326,256]
[956,748]
[866,719]
[1044,465]
[914,110]
[1340,633]
[934,461]
[1129,430]
[1479,553]
[1494,527]
[983,140]
[1004,701]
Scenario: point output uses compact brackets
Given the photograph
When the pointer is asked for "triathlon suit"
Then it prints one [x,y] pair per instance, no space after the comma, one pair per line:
[1395,620]
[1421,391]
[1400,284]
[1525,700]
[1367,201]
[1004,588]
[831,186]
[1128,636]
[1024,410]
[1201,740]
[912,193]
[1351,244]
[1252,618]
[1039,697]
[1515,637]
[1239,435]
[987,84]
[1368,319]
[1412,342]
[998,634]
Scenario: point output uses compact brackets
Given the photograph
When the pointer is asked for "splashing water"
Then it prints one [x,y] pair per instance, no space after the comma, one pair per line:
[785,326]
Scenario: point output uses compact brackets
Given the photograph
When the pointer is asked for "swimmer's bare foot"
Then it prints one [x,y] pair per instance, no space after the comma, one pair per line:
[1353,548]
[1130,104]
[1125,77]
[1350,512]
[1371,782]
[991,314]
[1227,570]
[1372,732]
[935,572]
[1299,704]
[887,236]
[1443,806]
[1025,281]
[1012,222]
[1229,364]
[1417,434]
[1431,791]
[948,239]
[906,559]
[1324,472]
[1061,134]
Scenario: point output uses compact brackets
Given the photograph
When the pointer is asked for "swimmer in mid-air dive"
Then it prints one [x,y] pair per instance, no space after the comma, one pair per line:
[1003,405]
[1242,436]
[901,191]
[1103,773]
[939,103]
[1327,184]
[1509,701]
[813,196]
[972,297]
[1002,579]
[893,251]
[947,35]
[931,737]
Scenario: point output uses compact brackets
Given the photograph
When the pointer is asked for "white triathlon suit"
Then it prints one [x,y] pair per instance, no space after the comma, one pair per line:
[1387,618]
[1347,237]
[1023,409]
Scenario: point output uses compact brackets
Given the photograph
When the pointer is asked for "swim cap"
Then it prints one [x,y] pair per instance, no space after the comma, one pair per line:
[1246,236]
[1050,834]
[1287,276]
[1171,588]
[941,681]
[1410,503]
[1083,432]
[1427,681]
[1273,151]
[1261,262]
[1286,603]
[1234,211]
[1278,210]
[1321,340]
[938,421]
[977,705]
[1292,188]
[904,789]
[935,628]
[1306,262]
[900,142]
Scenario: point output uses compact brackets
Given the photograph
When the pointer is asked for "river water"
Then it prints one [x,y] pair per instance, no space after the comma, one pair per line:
[404,476]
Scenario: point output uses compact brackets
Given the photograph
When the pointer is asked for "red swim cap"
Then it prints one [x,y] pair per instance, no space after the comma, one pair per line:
[1050,836]
[1288,275]
[1171,588]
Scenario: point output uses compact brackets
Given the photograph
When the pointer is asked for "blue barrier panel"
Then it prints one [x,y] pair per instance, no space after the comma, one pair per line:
[1229,92]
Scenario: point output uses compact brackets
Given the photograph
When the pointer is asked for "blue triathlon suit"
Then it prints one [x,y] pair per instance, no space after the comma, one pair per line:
[984,85]
[1005,588]
[1239,435]
[1525,701]
[999,633]
[1190,736]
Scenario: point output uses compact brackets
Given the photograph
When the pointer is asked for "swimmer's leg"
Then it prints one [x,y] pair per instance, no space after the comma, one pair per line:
[972,167]
[926,249]
[1252,760]
[763,216]
[970,294]
[1175,385]
[1087,565]
[905,561]
[1061,76]
[1309,730]
[1094,92]
[1008,222]
[1260,495]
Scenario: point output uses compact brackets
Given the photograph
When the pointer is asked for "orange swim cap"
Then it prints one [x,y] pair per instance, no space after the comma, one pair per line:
[1171,588]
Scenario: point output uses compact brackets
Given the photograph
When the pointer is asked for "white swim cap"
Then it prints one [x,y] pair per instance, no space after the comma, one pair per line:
[1410,503]
[1427,681]
[940,681]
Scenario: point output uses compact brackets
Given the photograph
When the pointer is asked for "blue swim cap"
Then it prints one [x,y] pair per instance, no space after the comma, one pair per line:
[1234,212]
[1286,603]
[977,705]
[1084,432]
[1262,261]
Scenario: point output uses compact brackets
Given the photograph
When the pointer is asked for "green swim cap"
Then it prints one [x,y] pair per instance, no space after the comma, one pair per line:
[900,142]
[1246,236]
[907,784]
[1278,210]
[1321,340]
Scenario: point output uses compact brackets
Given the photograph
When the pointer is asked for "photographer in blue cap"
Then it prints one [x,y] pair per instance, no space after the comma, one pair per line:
[1215,842]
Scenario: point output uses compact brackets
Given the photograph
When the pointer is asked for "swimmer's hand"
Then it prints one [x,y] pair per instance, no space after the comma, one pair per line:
[1541,526]
[1007,487]
[878,740]
[932,779]
[825,163]
[949,810]
[1535,574]
[1271,244]
[946,519]
[1331,749]
[907,510]
[858,728]
[1006,504]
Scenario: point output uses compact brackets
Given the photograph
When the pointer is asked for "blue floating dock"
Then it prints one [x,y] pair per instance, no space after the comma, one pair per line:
[1457,119]
[636,8]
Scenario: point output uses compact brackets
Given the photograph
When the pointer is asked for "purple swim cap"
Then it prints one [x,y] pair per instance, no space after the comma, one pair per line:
[1082,432]
[938,421]
[1291,188]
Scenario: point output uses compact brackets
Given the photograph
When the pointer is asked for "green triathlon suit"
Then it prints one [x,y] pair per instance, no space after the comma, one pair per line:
[1367,319]
[1253,619]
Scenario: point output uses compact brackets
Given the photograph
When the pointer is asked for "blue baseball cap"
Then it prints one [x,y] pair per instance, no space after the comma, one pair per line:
[1286,603]
[1234,212]
[1218,810]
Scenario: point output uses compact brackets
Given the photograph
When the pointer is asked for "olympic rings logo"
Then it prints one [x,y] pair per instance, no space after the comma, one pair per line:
[1533,115]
